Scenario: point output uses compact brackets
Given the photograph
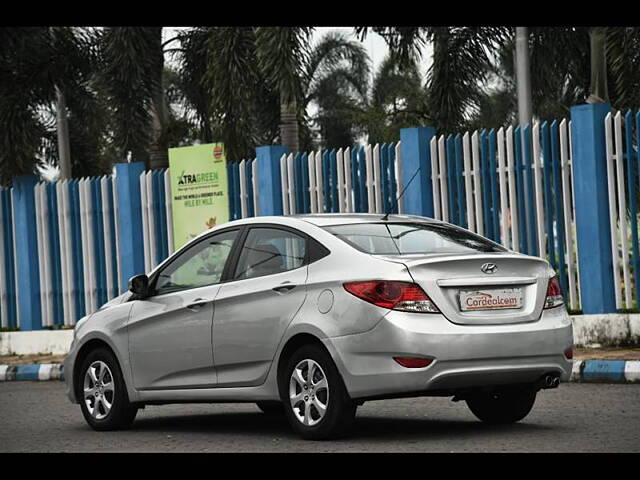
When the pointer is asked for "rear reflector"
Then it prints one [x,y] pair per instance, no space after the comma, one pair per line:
[554,294]
[568,353]
[413,362]
[403,296]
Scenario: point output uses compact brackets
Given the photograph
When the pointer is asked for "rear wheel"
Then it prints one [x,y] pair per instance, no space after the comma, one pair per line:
[502,406]
[314,397]
[103,394]
[271,408]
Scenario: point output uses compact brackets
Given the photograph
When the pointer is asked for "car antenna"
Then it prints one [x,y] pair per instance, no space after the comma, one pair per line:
[386,215]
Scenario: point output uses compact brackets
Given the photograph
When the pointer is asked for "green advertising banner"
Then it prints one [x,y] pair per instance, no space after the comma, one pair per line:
[199,190]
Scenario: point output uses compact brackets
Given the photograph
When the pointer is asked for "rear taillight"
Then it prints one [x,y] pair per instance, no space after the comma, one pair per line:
[413,362]
[554,294]
[403,296]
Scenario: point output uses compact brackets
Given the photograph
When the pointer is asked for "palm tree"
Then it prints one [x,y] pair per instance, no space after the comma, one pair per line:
[131,76]
[614,61]
[20,126]
[461,58]
[43,61]
[190,85]
[282,54]
[240,97]
[564,72]
[241,82]
[336,82]
[568,66]
[397,100]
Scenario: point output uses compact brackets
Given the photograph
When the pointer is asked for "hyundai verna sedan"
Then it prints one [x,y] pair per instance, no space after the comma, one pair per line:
[310,316]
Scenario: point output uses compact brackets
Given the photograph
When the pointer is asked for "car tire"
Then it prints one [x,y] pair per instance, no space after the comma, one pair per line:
[107,387]
[502,406]
[271,408]
[303,408]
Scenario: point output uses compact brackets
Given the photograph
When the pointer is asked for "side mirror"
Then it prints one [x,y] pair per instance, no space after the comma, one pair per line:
[139,285]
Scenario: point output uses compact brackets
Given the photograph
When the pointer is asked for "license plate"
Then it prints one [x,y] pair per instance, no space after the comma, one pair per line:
[490,299]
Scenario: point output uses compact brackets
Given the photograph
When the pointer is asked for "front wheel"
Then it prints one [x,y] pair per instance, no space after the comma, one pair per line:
[502,406]
[316,401]
[103,394]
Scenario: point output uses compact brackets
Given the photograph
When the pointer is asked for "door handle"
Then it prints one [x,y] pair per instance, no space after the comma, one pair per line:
[197,303]
[284,288]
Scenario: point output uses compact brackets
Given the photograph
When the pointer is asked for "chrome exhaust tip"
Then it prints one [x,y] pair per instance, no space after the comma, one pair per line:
[550,380]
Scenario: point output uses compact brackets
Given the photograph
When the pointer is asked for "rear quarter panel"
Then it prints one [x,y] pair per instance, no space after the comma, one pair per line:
[329,308]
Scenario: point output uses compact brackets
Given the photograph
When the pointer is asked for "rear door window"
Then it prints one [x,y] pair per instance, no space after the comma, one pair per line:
[267,251]
[412,238]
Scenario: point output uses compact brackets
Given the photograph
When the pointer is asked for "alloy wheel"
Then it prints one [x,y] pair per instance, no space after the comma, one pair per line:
[98,390]
[308,392]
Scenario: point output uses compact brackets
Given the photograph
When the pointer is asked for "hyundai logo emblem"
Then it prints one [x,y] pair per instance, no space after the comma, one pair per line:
[489,268]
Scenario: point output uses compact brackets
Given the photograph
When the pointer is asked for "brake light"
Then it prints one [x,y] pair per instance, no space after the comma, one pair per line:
[554,294]
[403,296]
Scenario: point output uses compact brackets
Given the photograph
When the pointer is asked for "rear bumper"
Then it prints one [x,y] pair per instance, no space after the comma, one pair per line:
[465,356]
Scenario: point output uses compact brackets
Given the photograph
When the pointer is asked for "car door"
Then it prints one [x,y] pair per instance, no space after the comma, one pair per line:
[170,331]
[255,305]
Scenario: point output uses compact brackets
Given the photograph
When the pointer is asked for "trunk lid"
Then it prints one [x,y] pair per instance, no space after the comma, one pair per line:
[444,276]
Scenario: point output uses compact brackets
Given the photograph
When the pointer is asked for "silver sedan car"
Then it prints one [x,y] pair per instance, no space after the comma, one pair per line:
[309,316]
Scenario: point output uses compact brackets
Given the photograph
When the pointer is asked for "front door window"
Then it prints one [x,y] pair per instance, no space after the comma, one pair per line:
[199,266]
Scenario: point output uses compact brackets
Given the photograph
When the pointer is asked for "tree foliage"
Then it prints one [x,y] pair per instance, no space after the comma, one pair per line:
[130,75]
[461,60]
[239,94]
[397,100]
[250,86]
[33,62]
[560,63]
[336,83]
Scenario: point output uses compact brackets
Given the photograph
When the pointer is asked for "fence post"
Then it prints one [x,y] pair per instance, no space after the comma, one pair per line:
[269,181]
[416,154]
[26,243]
[592,208]
[130,244]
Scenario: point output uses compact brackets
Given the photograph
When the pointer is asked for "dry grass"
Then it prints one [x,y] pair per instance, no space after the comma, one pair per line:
[621,353]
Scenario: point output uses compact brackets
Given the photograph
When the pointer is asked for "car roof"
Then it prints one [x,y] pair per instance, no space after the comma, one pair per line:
[321,220]
[328,219]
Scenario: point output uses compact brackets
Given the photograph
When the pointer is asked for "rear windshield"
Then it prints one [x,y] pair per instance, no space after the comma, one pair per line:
[411,238]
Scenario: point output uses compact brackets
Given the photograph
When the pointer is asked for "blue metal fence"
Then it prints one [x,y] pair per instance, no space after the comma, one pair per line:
[498,197]
[360,178]
[512,185]
[8,304]
[621,138]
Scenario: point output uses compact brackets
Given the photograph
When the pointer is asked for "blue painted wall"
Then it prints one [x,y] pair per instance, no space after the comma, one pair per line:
[592,208]
[130,244]
[416,157]
[269,182]
[28,285]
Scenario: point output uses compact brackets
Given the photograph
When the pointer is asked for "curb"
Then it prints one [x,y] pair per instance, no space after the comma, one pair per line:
[34,372]
[606,371]
[585,371]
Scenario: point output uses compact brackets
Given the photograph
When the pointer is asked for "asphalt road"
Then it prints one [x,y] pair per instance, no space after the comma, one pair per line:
[36,416]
